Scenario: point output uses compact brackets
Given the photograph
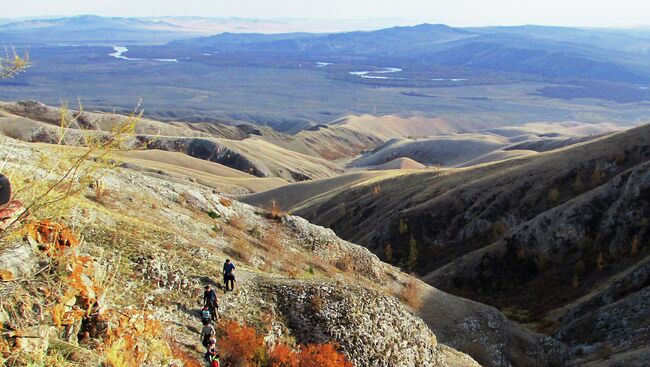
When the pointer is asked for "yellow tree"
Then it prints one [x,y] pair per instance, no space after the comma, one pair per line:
[13,64]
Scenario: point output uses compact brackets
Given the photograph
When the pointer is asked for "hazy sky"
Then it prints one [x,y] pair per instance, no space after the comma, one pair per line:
[603,13]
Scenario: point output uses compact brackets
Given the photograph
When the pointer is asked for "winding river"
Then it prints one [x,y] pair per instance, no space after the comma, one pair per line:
[120,50]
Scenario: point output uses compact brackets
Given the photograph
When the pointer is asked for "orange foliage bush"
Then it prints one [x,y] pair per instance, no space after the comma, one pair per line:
[322,355]
[225,202]
[183,356]
[283,356]
[53,237]
[241,345]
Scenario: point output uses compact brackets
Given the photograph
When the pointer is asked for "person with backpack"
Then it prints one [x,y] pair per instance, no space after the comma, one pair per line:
[208,334]
[205,315]
[210,302]
[229,275]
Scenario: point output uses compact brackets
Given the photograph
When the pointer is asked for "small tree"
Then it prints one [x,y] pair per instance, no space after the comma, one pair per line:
[636,242]
[413,253]
[388,252]
[578,186]
[403,227]
[600,262]
[376,191]
[553,196]
[597,177]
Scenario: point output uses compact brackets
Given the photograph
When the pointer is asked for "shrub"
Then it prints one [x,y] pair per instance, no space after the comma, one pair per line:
[376,191]
[403,227]
[553,196]
[183,356]
[411,295]
[100,191]
[600,262]
[237,222]
[275,212]
[256,232]
[225,202]
[212,214]
[388,252]
[322,355]
[13,65]
[605,351]
[499,229]
[517,314]
[597,177]
[317,303]
[578,186]
[345,263]
[293,273]
[283,356]
[636,241]
[241,345]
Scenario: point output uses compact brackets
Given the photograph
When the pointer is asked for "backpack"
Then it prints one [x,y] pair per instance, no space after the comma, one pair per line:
[205,314]
[214,363]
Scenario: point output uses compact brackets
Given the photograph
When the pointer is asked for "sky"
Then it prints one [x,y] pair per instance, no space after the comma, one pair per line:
[591,13]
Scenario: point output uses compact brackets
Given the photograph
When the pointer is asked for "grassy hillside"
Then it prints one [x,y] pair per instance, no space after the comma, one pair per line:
[154,243]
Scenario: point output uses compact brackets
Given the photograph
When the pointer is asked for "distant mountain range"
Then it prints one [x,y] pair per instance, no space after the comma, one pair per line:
[619,55]
[549,52]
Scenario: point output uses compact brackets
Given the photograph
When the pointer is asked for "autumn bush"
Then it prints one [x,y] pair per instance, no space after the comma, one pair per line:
[275,212]
[314,355]
[322,355]
[240,345]
[283,356]
[135,339]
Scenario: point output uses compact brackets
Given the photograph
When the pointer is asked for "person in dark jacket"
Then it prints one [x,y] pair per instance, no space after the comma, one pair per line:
[211,302]
[229,275]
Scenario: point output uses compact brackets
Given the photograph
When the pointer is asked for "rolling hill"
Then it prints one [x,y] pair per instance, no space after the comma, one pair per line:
[555,239]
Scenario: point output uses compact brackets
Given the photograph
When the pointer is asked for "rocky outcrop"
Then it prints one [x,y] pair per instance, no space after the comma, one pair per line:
[373,329]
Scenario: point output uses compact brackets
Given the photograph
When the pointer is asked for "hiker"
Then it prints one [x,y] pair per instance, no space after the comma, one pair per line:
[210,302]
[229,274]
[210,354]
[215,360]
[208,335]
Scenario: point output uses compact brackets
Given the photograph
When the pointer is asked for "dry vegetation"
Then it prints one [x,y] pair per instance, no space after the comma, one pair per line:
[411,295]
